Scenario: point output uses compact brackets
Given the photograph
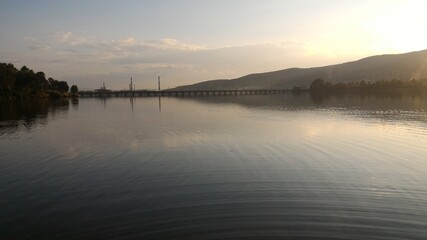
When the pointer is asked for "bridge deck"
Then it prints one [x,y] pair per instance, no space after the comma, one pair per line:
[167,93]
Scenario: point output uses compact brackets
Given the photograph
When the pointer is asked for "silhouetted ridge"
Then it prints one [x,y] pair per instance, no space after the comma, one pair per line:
[404,67]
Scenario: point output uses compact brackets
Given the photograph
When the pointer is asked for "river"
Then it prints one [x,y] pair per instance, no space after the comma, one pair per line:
[226,167]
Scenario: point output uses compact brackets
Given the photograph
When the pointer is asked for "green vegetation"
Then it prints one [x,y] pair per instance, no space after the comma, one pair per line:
[25,83]
[321,86]
[74,89]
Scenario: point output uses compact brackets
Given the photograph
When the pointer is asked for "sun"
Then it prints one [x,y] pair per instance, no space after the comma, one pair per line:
[399,26]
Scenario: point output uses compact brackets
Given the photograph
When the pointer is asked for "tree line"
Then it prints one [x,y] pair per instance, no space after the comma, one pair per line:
[27,83]
[320,85]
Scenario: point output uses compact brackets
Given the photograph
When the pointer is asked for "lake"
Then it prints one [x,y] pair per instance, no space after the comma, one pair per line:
[230,167]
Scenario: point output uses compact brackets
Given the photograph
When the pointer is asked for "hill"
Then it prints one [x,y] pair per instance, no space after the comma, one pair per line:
[405,66]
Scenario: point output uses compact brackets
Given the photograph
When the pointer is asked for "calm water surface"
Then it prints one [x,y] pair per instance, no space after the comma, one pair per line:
[247,167]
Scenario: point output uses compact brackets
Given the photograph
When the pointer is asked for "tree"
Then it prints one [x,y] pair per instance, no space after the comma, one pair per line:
[25,78]
[7,77]
[40,81]
[24,69]
[27,83]
[317,85]
[63,86]
[74,89]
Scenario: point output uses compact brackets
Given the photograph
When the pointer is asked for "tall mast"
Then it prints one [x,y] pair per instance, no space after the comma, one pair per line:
[158,81]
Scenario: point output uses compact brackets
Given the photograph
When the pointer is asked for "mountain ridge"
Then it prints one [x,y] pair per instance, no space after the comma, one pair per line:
[404,66]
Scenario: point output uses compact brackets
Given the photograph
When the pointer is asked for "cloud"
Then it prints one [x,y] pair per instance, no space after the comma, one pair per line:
[127,42]
[124,51]
[37,47]
[130,51]
[68,38]
[166,43]
[86,61]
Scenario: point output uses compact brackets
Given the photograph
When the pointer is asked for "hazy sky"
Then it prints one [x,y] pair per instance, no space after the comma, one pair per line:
[89,42]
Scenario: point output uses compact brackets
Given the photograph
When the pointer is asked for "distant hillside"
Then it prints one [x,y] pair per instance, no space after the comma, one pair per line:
[405,66]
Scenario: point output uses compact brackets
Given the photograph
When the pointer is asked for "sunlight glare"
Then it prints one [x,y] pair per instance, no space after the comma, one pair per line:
[399,27]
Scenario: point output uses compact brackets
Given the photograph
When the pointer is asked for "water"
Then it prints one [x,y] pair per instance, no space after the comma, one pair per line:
[234,167]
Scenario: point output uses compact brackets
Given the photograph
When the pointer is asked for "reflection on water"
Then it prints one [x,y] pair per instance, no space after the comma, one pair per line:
[386,106]
[24,115]
[303,101]
[75,102]
[230,167]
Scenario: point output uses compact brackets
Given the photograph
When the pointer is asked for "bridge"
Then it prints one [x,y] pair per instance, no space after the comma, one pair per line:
[181,93]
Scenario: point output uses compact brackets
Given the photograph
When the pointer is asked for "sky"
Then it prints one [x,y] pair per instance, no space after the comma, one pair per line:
[88,42]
